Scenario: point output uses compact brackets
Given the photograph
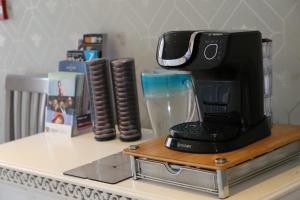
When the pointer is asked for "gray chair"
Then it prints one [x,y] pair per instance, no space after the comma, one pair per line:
[26,98]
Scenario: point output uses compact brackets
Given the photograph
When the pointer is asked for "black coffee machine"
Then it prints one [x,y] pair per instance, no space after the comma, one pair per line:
[228,82]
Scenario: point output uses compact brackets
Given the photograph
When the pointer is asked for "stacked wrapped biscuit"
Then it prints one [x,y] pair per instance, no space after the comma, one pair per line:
[101,104]
[126,102]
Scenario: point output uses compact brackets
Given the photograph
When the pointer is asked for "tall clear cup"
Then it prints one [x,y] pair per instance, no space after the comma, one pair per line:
[267,68]
[169,98]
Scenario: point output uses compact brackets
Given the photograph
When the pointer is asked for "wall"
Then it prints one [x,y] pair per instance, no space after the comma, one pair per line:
[40,31]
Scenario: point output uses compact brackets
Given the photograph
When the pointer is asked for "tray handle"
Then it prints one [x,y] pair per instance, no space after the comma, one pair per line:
[173,169]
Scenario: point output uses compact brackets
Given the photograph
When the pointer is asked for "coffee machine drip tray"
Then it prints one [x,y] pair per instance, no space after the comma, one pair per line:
[214,173]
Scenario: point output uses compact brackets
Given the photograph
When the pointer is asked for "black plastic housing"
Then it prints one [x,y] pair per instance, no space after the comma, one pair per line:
[227,70]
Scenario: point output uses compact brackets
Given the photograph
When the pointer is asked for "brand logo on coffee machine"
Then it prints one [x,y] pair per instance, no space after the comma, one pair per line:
[186,146]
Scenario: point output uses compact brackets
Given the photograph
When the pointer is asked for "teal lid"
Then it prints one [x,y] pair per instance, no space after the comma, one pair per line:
[164,82]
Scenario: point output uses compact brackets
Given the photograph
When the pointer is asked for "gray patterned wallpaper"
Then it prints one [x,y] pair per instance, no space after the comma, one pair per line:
[40,31]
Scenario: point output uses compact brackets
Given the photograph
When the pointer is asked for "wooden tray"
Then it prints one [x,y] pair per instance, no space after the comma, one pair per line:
[155,149]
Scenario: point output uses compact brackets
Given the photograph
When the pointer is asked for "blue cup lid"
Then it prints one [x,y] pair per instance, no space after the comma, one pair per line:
[164,82]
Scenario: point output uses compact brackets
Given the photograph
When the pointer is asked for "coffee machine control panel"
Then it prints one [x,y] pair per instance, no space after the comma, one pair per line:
[212,49]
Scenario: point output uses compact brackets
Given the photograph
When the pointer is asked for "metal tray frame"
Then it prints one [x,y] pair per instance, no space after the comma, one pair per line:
[223,179]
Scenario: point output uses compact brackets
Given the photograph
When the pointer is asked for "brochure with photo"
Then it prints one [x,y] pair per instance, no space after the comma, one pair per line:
[78,67]
[64,102]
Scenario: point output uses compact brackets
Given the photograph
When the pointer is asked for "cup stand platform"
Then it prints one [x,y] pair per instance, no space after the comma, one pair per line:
[214,173]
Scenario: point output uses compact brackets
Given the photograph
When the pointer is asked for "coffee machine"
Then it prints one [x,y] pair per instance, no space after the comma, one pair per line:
[227,73]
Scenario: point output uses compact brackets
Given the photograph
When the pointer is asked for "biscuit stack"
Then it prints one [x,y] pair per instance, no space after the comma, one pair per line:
[126,100]
[101,105]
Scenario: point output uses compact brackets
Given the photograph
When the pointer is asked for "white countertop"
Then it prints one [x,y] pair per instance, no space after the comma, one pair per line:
[50,154]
